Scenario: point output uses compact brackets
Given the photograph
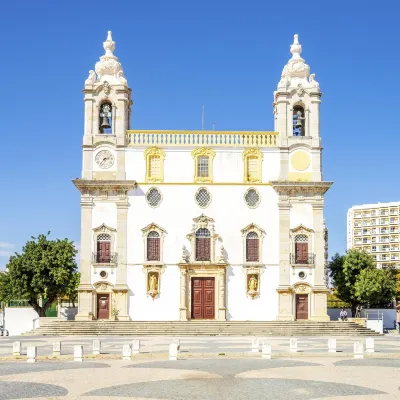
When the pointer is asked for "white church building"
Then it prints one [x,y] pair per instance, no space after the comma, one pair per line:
[210,225]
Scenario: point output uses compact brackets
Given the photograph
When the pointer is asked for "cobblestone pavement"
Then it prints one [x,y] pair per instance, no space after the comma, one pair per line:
[198,345]
[206,379]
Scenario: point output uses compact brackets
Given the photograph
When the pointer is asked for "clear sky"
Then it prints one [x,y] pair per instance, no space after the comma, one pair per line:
[178,55]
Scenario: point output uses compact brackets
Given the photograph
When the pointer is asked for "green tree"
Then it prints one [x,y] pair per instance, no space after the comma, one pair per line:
[375,287]
[46,269]
[344,271]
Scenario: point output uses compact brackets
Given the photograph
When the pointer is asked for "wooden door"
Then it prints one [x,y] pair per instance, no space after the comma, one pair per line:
[301,253]
[203,294]
[103,251]
[301,306]
[103,306]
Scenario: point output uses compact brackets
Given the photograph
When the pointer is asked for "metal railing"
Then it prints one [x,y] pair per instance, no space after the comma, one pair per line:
[308,258]
[104,258]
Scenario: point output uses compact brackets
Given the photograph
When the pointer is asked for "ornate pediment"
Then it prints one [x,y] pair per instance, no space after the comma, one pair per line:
[301,229]
[293,189]
[104,228]
[202,222]
[153,227]
[253,227]
[103,286]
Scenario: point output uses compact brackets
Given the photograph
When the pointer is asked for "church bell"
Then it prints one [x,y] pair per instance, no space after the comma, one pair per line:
[105,123]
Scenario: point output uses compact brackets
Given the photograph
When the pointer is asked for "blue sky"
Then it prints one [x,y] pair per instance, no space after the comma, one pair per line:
[178,55]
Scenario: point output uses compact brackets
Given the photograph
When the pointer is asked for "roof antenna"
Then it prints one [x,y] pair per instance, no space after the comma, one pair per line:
[214,126]
[202,117]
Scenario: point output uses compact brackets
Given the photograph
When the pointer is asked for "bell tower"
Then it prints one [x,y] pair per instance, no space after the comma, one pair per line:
[107,110]
[296,112]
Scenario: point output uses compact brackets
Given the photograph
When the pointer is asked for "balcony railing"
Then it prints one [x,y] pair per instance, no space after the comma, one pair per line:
[303,258]
[104,258]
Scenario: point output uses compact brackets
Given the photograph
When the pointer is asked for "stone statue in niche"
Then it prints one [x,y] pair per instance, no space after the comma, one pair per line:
[252,286]
[153,284]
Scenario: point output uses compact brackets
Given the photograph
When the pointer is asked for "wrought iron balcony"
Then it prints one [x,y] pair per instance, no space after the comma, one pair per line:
[307,258]
[104,258]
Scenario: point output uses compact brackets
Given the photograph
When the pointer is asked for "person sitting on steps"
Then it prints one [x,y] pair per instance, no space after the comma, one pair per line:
[343,314]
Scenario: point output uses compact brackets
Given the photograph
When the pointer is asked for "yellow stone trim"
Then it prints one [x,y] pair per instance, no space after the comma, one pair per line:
[209,183]
[252,152]
[300,160]
[300,176]
[157,152]
[203,152]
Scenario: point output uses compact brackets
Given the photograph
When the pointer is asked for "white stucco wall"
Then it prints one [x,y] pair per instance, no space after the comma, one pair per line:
[19,319]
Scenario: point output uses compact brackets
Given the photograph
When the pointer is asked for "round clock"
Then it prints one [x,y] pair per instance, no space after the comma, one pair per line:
[104,159]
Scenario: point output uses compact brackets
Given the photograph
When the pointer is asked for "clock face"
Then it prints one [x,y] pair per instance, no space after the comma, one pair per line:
[104,159]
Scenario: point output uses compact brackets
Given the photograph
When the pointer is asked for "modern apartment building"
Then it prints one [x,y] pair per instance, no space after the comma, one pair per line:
[375,228]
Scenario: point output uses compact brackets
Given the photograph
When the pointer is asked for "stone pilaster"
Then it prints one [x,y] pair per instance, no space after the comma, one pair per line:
[85,289]
[121,287]
[222,297]
[285,312]
[183,290]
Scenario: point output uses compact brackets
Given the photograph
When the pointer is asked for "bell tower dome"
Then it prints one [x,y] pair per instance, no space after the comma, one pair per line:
[296,113]
[108,102]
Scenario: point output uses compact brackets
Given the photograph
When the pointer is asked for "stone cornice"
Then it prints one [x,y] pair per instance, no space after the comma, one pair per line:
[295,189]
[87,185]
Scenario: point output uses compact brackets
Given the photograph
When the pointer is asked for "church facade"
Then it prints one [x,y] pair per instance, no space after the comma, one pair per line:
[209,225]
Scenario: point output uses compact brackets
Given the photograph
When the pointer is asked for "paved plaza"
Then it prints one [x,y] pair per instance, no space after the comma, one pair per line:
[208,370]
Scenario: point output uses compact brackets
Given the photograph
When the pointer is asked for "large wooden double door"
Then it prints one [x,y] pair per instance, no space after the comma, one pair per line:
[203,295]
[103,306]
[301,306]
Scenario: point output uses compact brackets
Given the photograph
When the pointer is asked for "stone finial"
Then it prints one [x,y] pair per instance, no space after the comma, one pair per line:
[296,73]
[108,68]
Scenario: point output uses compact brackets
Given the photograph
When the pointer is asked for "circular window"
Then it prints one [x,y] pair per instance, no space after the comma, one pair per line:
[302,275]
[153,197]
[103,274]
[203,197]
[252,198]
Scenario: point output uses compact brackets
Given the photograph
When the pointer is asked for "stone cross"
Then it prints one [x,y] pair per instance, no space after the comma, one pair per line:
[78,353]
[266,351]
[31,352]
[331,345]
[96,346]
[369,345]
[126,351]
[255,345]
[358,350]
[16,348]
[173,351]
[136,346]
[293,345]
[56,349]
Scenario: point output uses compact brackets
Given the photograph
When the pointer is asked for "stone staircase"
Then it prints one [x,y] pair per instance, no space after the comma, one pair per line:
[49,326]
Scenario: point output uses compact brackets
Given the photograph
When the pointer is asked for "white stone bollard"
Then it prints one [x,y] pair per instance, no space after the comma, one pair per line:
[255,345]
[78,353]
[16,348]
[370,345]
[177,342]
[96,347]
[331,345]
[31,352]
[293,345]
[136,346]
[358,350]
[126,351]
[266,351]
[173,351]
[56,349]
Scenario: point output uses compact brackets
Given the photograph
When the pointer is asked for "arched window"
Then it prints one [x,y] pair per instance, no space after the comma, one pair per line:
[301,249]
[153,246]
[203,245]
[103,254]
[105,118]
[298,121]
[252,247]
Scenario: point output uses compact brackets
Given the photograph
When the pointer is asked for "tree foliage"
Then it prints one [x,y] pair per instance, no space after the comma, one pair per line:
[46,269]
[357,280]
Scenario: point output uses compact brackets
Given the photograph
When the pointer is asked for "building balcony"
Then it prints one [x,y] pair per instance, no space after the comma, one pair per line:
[302,259]
[104,258]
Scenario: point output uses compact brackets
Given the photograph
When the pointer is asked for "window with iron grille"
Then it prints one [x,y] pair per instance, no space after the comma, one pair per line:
[154,166]
[301,238]
[104,237]
[203,245]
[203,197]
[153,246]
[203,166]
[252,169]
[252,247]
[252,198]
[153,197]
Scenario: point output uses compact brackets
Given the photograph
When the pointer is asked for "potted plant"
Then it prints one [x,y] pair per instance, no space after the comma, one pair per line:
[114,314]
